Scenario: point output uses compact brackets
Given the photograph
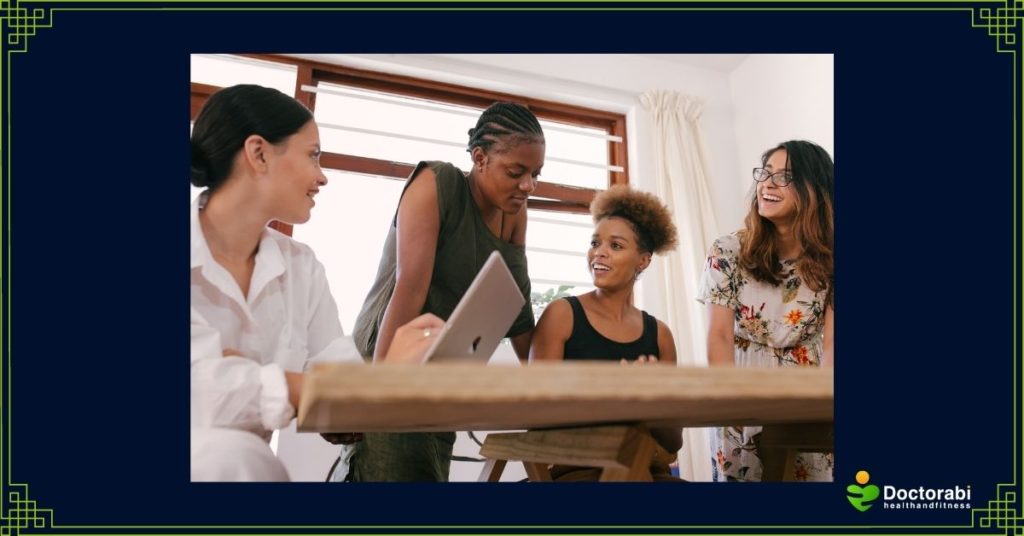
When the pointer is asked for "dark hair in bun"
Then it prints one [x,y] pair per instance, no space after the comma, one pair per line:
[229,117]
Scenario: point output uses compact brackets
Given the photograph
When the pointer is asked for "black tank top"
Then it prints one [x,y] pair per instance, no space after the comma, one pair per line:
[586,343]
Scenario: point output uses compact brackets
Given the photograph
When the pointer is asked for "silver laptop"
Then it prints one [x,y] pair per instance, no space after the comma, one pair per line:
[482,317]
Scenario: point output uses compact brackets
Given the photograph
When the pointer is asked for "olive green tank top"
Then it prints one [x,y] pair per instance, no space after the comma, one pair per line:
[463,245]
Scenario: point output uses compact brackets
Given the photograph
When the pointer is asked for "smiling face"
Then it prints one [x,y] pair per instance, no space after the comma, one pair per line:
[507,175]
[293,167]
[774,203]
[614,257]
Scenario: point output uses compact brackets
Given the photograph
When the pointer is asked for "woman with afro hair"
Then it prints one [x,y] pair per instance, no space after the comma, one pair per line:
[603,324]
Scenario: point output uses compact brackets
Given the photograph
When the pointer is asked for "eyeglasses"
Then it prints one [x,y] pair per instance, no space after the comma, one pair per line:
[780,179]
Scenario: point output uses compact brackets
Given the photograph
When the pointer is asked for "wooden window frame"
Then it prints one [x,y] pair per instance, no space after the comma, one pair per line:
[549,195]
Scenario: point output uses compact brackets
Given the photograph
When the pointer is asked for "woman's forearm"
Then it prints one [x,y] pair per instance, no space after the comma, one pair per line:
[720,351]
[399,312]
[521,345]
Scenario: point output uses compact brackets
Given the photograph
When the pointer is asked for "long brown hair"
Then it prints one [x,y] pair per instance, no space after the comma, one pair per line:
[813,182]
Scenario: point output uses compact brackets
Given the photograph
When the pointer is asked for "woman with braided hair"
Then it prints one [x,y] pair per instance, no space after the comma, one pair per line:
[447,223]
[603,324]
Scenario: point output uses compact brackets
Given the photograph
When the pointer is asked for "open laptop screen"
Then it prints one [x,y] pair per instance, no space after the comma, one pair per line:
[482,317]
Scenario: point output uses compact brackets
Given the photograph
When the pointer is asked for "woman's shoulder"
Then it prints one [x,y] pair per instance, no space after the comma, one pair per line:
[444,170]
[663,328]
[648,317]
[556,316]
[726,245]
[451,183]
[560,307]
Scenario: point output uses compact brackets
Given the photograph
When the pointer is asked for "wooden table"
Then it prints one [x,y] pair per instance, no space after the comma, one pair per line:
[447,397]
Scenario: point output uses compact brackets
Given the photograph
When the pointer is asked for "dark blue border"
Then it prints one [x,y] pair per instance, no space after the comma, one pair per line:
[927,306]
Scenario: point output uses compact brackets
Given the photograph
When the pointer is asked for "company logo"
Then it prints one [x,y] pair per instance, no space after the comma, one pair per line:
[862,494]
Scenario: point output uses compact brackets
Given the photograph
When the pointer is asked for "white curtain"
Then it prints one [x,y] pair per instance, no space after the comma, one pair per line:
[682,182]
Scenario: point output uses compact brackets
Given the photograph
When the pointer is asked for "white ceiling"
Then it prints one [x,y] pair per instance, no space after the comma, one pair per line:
[582,80]
[723,63]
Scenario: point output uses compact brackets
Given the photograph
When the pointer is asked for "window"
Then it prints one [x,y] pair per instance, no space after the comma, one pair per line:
[374,128]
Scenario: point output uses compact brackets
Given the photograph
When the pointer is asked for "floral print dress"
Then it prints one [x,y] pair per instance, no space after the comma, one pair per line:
[774,327]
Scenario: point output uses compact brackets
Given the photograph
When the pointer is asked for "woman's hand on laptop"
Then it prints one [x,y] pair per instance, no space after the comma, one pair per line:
[412,340]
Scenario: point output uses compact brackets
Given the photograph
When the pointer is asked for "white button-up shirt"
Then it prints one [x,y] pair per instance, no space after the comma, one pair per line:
[288,320]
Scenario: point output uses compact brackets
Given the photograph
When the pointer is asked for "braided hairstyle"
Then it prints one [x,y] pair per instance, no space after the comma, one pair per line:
[646,214]
[507,124]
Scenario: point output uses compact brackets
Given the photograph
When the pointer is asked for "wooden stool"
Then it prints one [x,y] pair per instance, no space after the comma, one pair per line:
[623,452]
[779,444]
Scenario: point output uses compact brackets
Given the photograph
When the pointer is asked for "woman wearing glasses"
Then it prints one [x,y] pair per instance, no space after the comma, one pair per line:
[768,290]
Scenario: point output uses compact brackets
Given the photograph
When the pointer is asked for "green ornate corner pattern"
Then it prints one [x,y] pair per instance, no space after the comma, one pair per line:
[21,513]
[18,512]
[1006,25]
[1003,23]
[19,24]
[1002,513]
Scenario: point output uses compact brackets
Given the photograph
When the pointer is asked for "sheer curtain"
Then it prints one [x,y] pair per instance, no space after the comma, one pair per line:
[682,182]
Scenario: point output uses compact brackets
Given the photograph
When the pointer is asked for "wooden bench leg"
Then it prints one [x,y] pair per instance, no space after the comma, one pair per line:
[537,472]
[492,470]
[622,452]
[790,469]
[773,463]
[634,459]
[778,446]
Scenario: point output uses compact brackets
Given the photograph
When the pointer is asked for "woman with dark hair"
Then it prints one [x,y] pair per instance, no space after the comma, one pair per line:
[260,306]
[769,292]
[603,324]
[447,224]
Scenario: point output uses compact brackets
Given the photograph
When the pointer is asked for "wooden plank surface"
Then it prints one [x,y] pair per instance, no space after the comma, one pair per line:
[592,446]
[436,397]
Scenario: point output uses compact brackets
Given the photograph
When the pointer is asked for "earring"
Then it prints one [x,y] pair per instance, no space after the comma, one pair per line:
[637,276]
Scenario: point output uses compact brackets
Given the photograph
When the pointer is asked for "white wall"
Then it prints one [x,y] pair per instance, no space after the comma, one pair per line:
[780,97]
